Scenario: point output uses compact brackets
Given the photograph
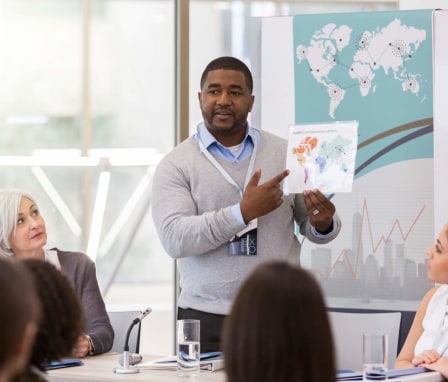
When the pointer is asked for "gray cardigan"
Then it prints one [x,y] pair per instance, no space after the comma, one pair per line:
[192,211]
[81,270]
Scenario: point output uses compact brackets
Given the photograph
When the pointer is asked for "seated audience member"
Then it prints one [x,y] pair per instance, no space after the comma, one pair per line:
[278,329]
[19,318]
[62,318]
[427,340]
[23,235]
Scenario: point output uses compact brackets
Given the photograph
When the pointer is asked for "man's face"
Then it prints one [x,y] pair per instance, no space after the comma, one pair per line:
[225,102]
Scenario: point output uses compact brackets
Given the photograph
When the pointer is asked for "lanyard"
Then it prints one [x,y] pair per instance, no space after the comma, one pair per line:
[223,172]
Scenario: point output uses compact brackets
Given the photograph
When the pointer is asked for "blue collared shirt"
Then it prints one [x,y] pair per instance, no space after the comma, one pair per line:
[216,148]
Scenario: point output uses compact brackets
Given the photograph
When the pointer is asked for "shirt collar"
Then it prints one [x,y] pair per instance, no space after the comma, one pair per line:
[51,255]
[208,139]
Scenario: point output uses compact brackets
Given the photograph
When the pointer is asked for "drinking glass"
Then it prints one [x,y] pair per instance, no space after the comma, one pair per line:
[374,356]
[188,348]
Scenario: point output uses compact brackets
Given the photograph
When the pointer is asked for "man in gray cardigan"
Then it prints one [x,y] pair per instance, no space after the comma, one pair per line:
[218,203]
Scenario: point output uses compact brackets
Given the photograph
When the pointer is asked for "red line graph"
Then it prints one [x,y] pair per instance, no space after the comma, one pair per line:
[383,239]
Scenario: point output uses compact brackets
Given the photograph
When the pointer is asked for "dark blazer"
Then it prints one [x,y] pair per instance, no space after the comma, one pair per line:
[81,270]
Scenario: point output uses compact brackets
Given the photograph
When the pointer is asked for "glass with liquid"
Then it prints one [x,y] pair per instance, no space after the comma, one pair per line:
[374,353]
[188,348]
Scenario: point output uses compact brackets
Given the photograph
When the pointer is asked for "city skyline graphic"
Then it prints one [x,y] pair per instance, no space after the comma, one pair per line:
[362,218]
[375,266]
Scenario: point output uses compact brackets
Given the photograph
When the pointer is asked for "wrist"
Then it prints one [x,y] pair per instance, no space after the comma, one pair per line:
[91,350]
[325,231]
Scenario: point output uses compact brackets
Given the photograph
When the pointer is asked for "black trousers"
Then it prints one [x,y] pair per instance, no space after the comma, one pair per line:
[211,325]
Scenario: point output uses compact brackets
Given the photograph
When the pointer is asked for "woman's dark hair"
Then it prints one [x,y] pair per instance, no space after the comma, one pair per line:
[228,63]
[62,313]
[19,304]
[278,329]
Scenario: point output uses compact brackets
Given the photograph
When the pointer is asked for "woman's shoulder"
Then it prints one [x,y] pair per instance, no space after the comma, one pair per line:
[72,257]
[437,290]
[435,293]
[431,292]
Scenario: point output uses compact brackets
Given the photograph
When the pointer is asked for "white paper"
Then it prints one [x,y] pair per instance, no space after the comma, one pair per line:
[321,156]
[170,363]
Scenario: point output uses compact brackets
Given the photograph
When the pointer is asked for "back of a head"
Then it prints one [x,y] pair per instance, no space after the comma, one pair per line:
[278,329]
[19,309]
[228,63]
[62,313]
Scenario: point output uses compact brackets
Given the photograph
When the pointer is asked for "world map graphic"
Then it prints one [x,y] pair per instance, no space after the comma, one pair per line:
[321,156]
[389,49]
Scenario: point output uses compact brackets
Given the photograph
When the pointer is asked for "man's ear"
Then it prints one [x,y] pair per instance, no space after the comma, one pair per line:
[251,102]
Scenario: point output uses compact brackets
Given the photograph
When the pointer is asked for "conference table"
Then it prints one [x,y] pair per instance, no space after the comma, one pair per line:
[101,368]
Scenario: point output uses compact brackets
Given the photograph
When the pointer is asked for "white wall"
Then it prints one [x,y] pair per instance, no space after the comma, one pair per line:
[423,4]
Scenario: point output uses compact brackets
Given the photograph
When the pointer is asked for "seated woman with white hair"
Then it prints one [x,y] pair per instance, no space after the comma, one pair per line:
[23,235]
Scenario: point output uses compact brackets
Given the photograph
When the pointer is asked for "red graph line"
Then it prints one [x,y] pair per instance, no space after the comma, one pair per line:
[365,217]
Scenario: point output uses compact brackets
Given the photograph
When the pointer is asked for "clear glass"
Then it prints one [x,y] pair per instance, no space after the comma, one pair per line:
[188,348]
[374,357]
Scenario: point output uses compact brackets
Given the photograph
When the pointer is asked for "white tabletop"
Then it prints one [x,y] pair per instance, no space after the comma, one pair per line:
[430,376]
[101,368]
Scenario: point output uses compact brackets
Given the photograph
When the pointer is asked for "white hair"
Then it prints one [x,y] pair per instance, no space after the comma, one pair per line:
[9,209]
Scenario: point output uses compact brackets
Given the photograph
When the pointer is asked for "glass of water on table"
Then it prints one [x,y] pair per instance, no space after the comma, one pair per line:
[374,353]
[188,348]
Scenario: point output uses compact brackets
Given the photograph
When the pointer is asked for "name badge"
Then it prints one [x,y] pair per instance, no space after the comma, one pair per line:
[244,243]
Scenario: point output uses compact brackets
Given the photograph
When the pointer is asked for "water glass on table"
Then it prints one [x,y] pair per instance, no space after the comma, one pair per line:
[188,348]
[374,355]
